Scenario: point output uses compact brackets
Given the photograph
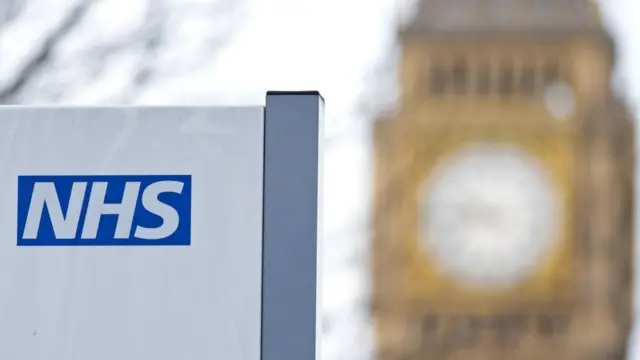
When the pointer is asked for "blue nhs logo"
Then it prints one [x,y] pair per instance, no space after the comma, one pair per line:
[104,210]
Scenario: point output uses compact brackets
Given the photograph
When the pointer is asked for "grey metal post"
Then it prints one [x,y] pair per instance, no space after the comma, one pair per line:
[292,225]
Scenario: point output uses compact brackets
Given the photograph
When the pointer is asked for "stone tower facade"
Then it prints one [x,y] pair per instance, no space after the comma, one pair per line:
[529,75]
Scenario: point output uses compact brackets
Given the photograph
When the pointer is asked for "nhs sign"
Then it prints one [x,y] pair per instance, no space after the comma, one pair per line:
[162,232]
[104,210]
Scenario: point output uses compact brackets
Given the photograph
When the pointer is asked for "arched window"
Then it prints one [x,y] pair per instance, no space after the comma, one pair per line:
[483,79]
[437,79]
[429,326]
[528,79]
[459,76]
[550,72]
[505,79]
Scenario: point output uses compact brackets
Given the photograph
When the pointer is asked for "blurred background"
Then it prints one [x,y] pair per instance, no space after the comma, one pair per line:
[229,52]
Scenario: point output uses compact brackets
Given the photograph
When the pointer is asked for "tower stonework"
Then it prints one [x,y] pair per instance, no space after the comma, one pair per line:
[503,188]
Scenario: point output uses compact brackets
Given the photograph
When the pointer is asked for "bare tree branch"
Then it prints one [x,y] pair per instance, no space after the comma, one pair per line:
[152,39]
[9,9]
[154,51]
[43,55]
[221,12]
[230,9]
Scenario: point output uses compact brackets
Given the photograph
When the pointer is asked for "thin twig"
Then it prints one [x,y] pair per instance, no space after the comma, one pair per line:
[43,56]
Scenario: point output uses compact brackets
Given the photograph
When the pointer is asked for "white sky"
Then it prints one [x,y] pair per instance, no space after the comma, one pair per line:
[328,45]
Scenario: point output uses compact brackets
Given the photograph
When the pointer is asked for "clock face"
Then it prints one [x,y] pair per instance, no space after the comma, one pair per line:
[490,215]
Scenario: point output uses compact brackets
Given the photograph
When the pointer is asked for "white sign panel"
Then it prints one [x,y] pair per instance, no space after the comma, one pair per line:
[138,233]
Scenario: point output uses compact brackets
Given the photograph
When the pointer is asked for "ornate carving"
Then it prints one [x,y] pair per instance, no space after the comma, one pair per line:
[458,332]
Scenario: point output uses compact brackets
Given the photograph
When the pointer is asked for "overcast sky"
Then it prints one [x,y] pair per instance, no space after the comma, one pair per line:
[328,45]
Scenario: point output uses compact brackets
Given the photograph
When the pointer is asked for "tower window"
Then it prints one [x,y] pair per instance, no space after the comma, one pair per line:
[429,326]
[505,80]
[528,79]
[550,72]
[437,80]
[459,76]
[548,325]
[545,325]
[483,79]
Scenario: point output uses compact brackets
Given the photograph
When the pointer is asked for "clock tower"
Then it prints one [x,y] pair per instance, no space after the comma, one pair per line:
[503,220]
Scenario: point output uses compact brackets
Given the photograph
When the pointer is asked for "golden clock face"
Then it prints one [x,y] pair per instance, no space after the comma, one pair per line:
[490,214]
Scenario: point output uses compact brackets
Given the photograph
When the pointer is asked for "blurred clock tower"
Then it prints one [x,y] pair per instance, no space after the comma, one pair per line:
[503,221]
